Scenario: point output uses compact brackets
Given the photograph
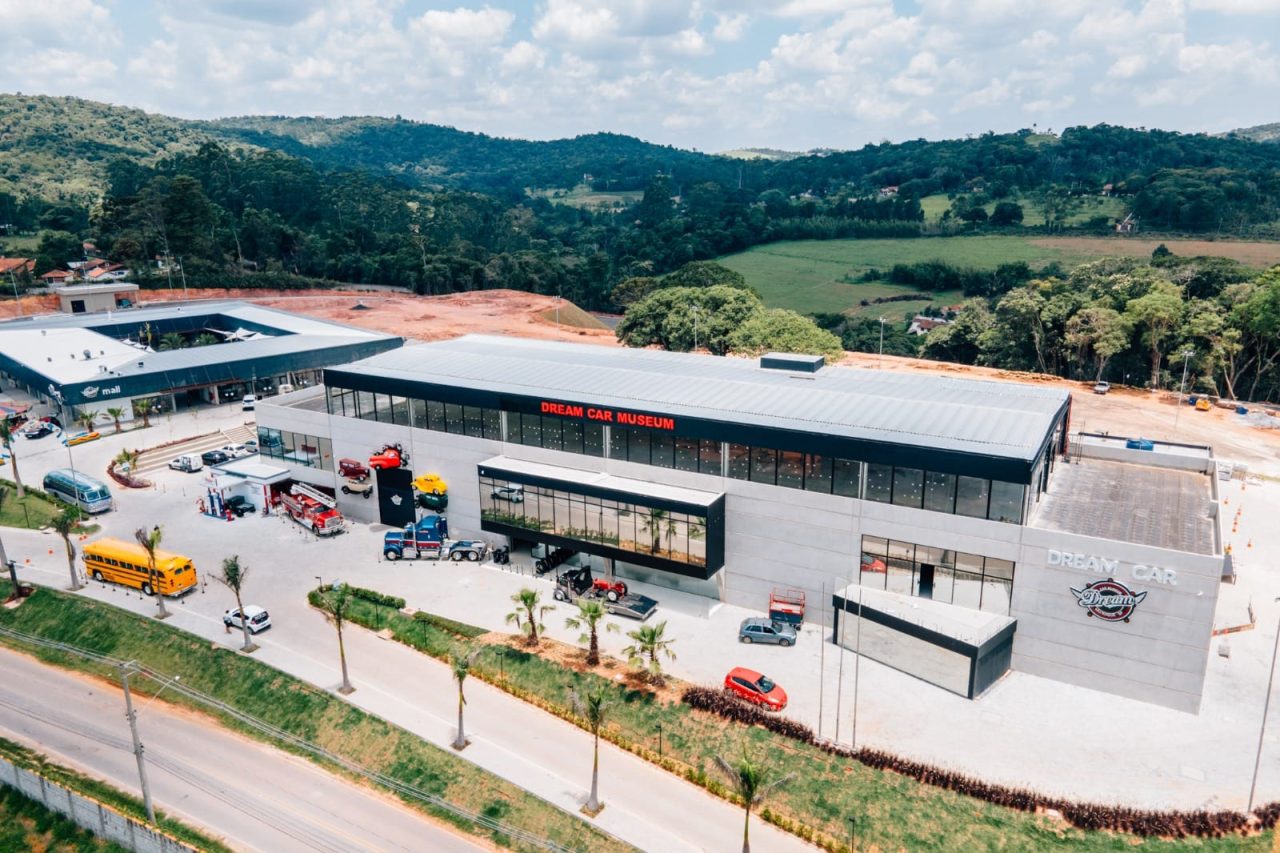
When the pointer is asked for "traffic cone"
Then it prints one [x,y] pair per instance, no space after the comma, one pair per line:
[1250,545]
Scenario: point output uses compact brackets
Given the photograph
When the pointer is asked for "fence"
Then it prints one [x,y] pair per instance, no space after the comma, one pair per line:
[89,814]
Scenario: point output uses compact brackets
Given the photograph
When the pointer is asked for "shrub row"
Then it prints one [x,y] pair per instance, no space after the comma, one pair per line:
[1086,816]
[374,597]
[458,629]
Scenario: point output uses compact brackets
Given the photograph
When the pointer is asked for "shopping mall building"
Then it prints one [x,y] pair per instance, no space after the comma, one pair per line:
[974,534]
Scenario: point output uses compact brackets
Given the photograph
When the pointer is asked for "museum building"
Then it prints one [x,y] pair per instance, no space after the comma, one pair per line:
[956,525]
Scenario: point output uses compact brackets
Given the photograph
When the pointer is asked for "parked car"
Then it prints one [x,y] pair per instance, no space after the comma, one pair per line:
[754,687]
[82,438]
[214,457]
[873,564]
[39,429]
[259,619]
[757,629]
[236,451]
[188,462]
[1101,387]
[352,469]
[358,487]
[250,402]
[251,446]
[239,505]
[431,483]
[514,494]
[390,456]
[435,503]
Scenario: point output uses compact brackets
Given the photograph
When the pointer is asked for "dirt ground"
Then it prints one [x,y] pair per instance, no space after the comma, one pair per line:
[1124,411]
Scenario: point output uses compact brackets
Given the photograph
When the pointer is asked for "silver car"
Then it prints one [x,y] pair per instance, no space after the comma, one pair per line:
[757,629]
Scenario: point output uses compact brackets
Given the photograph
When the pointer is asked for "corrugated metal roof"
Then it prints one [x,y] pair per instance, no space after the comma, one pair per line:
[244,311]
[1002,419]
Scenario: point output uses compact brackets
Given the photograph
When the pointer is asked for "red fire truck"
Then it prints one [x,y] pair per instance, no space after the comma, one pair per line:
[313,509]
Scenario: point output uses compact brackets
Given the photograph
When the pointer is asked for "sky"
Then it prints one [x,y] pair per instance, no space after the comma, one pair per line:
[706,74]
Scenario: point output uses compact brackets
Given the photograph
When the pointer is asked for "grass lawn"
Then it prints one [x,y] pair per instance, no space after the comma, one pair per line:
[1086,208]
[819,275]
[296,707]
[33,511]
[58,833]
[584,196]
[896,813]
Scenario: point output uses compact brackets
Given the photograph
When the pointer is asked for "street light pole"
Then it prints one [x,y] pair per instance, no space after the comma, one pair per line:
[1186,359]
[857,660]
[1262,729]
[880,357]
[126,670]
[695,327]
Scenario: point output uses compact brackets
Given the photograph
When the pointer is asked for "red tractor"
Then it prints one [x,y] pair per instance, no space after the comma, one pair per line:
[612,590]
[390,456]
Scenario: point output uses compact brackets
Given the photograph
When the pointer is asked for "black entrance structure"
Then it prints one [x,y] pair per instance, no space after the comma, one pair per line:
[395,496]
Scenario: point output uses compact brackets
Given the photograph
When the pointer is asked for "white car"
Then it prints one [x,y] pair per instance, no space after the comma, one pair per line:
[259,619]
[236,451]
[514,494]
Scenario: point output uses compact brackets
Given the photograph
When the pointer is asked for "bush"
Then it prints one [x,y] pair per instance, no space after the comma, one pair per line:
[375,597]
[460,629]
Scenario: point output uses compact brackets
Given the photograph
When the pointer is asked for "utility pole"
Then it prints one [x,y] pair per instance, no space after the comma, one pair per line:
[857,657]
[1262,729]
[695,327]
[126,670]
[182,270]
[16,300]
[880,357]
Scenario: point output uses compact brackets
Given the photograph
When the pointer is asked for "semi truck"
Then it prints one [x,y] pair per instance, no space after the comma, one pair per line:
[313,509]
[575,584]
[428,539]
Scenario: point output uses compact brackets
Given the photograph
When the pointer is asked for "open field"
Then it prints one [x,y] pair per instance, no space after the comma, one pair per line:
[817,275]
[1087,207]
[584,196]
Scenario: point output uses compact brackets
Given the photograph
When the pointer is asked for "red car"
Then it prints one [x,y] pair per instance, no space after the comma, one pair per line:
[353,470]
[390,456]
[754,687]
[872,564]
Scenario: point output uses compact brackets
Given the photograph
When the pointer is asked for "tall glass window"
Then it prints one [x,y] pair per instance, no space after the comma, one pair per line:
[593,439]
[638,446]
[1006,502]
[879,482]
[709,457]
[764,465]
[662,450]
[552,432]
[817,473]
[791,469]
[939,492]
[908,487]
[846,476]
[971,496]
[686,455]
[739,461]
[965,580]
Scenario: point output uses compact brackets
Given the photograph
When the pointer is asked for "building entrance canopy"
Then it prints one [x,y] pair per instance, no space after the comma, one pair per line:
[662,527]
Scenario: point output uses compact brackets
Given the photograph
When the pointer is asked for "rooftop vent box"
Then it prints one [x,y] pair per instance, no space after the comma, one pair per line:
[792,361]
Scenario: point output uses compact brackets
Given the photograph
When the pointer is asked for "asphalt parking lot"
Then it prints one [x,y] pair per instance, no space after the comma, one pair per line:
[1025,731]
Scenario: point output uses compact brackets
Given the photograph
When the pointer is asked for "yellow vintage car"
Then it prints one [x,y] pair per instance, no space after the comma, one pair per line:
[431,484]
[82,437]
[1202,405]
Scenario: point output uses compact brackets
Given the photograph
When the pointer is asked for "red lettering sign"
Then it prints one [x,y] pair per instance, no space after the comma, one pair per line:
[608,416]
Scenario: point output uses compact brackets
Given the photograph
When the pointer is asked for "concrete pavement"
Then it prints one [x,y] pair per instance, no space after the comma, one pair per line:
[252,796]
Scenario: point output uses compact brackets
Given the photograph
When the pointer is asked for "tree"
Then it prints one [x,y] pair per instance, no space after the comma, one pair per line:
[172,341]
[150,542]
[676,318]
[233,577]
[593,707]
[648,643]
[335,606]
[461,660]
[631,290]
[142,409]
[780,330]
[704,274]
[87,419]
[752,781]
[116,413]
[652,522]
[6,438]
[205,339]
[1098,332]
[65,523]
[1159,311]
[589,614]
[528,614]
[61,247]
[1007,213]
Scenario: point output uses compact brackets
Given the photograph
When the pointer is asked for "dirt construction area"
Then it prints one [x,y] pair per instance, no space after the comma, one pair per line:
[1125,411]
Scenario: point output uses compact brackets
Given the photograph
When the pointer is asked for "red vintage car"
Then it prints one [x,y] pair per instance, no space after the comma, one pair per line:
[352,469]
[873,564]
[390,456]
[752,686]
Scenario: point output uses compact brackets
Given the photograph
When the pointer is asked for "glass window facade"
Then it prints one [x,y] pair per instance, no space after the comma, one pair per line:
[902,486]
[628,526]
[310,450]
[952,577]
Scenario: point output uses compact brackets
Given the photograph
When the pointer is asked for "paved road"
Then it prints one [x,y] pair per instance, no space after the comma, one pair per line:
[256,797]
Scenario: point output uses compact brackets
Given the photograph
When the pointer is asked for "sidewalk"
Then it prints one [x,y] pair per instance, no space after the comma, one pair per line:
[644,805]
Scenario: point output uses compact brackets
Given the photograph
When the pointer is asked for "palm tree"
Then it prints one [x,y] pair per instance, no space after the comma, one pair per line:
[150,542]
[127,459]
[649,643]
[334,606]
[461,661]
[205,339]
[64,524]
[142,409]
[87,419]
[116,413]
[527,615]
[751,780]
[653,523]
[6,438]
[172,341]
[233,576]
[592,706]
[589,613]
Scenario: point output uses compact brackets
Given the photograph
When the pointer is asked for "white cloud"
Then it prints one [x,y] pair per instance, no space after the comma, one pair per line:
[1127,66]
[523,56]
[729,27]
[1237,7]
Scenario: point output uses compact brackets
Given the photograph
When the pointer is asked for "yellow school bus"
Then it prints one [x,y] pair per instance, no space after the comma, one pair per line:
[117,561]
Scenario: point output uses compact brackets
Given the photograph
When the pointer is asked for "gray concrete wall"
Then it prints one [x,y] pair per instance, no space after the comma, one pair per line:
[791,538]
[89,814]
